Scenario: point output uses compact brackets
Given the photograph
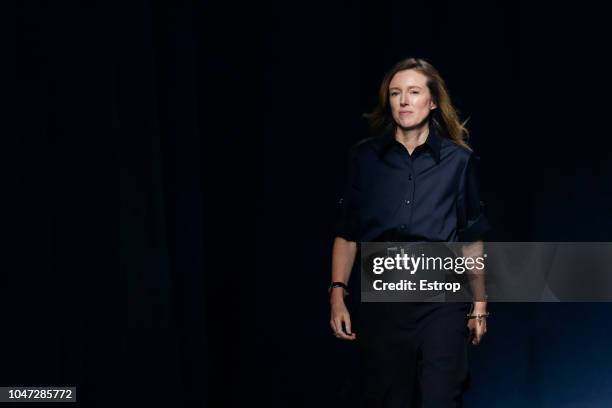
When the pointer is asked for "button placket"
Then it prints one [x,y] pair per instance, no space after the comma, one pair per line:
[408,196]
[409,200]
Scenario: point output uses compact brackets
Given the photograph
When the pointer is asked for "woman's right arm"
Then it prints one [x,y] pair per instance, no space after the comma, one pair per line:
[345,247]
[343,257]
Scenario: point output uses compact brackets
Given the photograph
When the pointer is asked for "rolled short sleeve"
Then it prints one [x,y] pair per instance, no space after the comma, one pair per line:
[346,225]
[472,224]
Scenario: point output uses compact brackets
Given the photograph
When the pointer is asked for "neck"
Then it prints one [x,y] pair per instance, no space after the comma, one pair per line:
[413,136]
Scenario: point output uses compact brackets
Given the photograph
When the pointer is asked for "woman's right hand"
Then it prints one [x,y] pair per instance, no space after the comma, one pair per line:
[340,315]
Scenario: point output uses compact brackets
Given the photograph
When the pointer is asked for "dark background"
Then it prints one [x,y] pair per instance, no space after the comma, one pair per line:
[177,168]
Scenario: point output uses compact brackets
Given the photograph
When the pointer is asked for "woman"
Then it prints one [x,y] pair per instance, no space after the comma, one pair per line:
[414,181]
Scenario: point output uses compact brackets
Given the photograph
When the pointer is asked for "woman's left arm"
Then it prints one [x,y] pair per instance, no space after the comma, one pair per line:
[472,225]
[476,277]
[476,274]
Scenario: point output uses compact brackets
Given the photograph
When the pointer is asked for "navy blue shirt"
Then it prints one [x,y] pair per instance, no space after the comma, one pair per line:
[429,195]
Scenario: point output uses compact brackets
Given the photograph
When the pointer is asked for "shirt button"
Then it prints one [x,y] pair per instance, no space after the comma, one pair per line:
[403,226]
[407,201]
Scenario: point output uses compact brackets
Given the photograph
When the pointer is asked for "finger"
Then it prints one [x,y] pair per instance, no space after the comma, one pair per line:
[347,324]
[479,334]
[475,336]
[332,323]
[341,333]
[472,330]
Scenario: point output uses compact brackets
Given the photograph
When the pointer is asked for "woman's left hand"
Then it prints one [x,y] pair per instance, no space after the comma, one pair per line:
[477,328]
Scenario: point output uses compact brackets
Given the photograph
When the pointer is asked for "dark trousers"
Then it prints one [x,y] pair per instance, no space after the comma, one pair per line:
[413,354]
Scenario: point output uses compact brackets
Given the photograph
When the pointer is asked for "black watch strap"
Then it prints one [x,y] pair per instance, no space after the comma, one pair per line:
[338,285]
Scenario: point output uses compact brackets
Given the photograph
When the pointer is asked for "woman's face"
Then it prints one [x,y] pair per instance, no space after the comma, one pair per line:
[409,98]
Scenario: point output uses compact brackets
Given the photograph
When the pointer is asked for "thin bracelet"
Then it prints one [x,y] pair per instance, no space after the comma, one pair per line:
[478,316]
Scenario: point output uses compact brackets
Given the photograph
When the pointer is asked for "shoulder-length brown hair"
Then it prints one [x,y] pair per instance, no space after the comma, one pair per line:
[445,117]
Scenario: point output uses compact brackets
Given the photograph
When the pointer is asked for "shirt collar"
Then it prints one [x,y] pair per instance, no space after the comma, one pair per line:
[434,141]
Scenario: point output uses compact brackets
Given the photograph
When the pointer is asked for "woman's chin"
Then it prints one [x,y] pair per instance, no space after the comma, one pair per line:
[408,124]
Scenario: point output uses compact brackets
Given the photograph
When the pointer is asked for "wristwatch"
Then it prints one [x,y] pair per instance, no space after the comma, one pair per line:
[338,285]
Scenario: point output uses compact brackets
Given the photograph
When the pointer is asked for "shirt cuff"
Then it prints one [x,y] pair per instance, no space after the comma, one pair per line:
[475,229]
